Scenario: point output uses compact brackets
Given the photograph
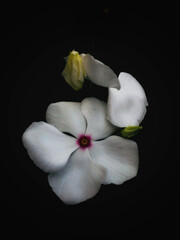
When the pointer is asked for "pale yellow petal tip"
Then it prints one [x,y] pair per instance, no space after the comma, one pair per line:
[74,72]
[73,52]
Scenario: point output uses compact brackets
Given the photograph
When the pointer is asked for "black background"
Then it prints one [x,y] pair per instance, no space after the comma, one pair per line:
[141,40]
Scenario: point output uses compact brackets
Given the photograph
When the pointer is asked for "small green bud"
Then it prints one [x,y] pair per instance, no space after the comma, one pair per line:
[130,131]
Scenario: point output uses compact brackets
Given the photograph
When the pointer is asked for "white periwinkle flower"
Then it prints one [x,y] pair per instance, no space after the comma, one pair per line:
[127,101]
[79,164]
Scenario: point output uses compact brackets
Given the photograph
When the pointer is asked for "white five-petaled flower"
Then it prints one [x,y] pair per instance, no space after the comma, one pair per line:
[79,163]
[90,155]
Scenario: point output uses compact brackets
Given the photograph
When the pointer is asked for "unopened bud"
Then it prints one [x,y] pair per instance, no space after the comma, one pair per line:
[130,131]
[74,72]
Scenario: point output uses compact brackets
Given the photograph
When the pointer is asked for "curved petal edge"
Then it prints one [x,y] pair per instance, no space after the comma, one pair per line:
[99,73]
[127,106]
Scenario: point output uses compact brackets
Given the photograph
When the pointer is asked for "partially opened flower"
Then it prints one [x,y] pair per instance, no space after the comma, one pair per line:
[78,66]
[88,156]
[127,102]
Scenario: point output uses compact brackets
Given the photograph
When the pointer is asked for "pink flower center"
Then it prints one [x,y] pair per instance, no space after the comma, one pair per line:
[84,141]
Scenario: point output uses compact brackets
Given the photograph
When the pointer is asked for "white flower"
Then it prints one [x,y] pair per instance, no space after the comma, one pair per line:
[79,164]
[127,101]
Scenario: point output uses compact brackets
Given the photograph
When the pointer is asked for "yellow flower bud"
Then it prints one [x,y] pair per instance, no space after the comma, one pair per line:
[74,72]
[130,131]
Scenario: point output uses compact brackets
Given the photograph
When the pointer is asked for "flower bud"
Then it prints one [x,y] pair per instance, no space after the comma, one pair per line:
[130,131]
[74,72]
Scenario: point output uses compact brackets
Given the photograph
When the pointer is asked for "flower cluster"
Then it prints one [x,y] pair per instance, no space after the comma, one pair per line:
[90,154]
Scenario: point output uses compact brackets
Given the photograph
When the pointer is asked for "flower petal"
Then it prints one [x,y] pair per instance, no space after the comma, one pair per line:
[127,106]
[94,111]
[47,146]
[119,156]
[79,180]
[67,117]
[99,73]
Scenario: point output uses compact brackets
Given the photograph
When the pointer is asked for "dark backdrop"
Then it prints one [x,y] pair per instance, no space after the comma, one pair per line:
[136,39]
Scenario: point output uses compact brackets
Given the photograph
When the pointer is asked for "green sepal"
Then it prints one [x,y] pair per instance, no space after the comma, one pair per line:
[130,131]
